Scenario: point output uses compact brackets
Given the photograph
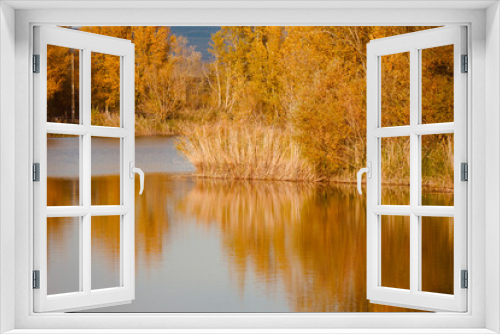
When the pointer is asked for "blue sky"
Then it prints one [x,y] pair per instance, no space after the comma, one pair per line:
[197,36]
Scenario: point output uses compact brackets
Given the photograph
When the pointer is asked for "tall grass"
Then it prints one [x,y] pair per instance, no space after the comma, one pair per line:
[238,151]
[232,150]
[144,126]
[104,118]
[253,151]
[437,161]
[152,125]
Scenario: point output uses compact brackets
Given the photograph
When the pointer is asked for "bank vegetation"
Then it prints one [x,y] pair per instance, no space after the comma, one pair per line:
[271,103]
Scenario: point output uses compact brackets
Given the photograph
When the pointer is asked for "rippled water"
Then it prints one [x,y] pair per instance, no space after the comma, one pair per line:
[220,246]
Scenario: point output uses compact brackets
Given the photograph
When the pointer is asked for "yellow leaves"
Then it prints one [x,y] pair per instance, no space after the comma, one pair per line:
[105,82]
[395,85]
[437,77]
[62,84]
[308,81]
[166,70]
[58,67]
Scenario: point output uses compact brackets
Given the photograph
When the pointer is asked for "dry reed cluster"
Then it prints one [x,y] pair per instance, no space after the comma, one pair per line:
[231,150]
[144,126]
[253,151]
[239,151]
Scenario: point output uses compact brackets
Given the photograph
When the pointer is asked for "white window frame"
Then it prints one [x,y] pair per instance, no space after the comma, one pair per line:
[483,209]
[86,297]
[414,43]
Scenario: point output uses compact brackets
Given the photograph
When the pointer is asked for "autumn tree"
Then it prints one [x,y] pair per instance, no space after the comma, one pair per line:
[166,72]
[244,76]
[62,84]
[311,81]
[307,82]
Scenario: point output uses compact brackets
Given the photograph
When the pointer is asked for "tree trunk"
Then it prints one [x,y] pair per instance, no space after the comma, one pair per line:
[72,85]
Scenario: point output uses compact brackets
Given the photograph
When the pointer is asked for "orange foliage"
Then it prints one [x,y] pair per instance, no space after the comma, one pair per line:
[308,81]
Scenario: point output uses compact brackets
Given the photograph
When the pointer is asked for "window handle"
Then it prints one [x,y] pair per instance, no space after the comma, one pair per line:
[368,171]
[134,170]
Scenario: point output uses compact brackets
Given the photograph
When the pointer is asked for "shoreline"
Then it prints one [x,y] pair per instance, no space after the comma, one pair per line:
[340,180]
[431,189]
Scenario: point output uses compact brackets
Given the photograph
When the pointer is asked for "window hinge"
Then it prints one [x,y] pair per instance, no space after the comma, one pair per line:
[36,279]
[36,172]
[465,63]
[465,279]
[36,63]
[464,171]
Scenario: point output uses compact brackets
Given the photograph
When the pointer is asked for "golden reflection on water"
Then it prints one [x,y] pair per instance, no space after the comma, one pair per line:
[395,235]
[105,231]
[306,240]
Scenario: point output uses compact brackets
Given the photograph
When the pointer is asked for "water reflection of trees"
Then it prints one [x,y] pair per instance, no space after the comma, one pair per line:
[308,240]
[62,191]
[62,255]
[152,222]
[105,250]
[151,216]
[311,239]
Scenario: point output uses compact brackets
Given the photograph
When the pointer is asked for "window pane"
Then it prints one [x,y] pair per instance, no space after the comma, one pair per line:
[105,89]
[105,171]
[437,84]
[395,169]
[105,252]
[395,243]
[63,170]
[437,254]
[437,169]
[63,85]
[63,255]
[395,89]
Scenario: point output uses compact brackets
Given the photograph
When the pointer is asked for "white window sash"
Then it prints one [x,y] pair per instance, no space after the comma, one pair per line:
[85,297]
[413,43]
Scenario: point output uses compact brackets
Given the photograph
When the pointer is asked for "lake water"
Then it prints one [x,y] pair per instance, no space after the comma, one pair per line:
[219,246]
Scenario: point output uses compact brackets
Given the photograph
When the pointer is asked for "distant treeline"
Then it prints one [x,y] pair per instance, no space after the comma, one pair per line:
[307,82]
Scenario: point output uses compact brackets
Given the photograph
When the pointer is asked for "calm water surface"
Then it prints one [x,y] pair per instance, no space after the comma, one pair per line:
[220,246]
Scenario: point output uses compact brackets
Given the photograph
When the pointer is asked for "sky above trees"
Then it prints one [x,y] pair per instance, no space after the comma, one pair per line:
[197,36]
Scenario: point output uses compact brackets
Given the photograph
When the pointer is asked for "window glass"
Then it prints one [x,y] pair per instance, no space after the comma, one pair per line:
[106,188]
[395,170]
[63,170]
[395,89]
[105,89]
[437,84]
[106,270]
[63,85]
[63,255]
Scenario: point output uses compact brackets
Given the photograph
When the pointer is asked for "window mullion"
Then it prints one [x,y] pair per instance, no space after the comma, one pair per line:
[85,253]
[102,131]
[418,131]
[86,162]
[67,129]
[414,170]
[109,210]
